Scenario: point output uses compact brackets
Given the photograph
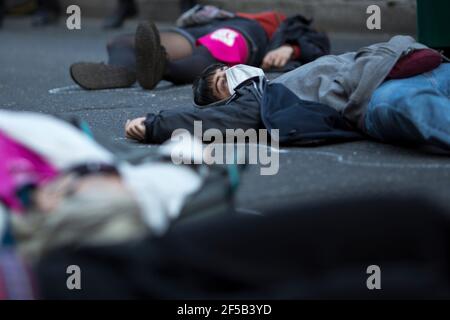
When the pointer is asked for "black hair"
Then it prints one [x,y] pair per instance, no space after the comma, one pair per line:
[202,86]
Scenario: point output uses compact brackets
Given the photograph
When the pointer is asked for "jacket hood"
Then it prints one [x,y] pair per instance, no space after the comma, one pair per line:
[241,90]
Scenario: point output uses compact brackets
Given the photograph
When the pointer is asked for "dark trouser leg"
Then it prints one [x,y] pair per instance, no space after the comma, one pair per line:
[49,5]
[184,63]
[121,49]
[185,5]
[2,12]
[127,5]
[121,52]
[177,46]
[185,70]
[119,73]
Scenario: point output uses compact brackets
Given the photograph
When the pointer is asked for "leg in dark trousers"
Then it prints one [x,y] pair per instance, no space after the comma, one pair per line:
[179,71]
[121,52]
[185,70]
[120,72]
[182,62]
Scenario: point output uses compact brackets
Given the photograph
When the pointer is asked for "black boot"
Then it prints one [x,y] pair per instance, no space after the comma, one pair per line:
[98,76]
[126,9]
[151,57]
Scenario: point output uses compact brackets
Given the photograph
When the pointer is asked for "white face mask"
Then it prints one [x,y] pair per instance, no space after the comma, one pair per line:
[240,73]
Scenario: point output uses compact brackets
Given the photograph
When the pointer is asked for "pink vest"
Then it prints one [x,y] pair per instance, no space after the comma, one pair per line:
[226,45]
[19,167]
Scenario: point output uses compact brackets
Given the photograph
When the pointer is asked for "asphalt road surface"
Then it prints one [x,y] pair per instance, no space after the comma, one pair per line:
[34,76]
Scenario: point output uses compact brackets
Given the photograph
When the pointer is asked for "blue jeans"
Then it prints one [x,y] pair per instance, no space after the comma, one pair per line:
[414,110]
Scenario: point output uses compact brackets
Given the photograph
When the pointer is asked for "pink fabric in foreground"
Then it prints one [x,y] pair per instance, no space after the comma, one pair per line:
[226,45]
[19,167]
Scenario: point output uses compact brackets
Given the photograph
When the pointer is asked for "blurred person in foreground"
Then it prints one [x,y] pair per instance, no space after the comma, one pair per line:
[68,188]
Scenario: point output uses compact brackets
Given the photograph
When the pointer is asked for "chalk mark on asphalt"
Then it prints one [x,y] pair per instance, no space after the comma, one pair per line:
[253,145]
[248,211]
[339,158]
[76,89]
[124,107]
[345,161]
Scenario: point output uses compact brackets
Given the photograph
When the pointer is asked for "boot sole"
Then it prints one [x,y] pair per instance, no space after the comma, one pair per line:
[149,55]
[94,76]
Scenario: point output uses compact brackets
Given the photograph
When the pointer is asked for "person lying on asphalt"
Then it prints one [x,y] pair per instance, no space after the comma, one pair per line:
[397,92]
[66,188]
[205,35]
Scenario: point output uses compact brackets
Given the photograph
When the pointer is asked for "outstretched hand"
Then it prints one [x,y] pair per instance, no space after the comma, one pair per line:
[278,58]
[135,129]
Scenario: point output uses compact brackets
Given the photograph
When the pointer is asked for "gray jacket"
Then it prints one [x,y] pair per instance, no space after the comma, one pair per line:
[347,82]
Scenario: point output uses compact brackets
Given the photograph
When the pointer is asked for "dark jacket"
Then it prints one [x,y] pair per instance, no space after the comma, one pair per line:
[240,113]
[297,30]
[299,122]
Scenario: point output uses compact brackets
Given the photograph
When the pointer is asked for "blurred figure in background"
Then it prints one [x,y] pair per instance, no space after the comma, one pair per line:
[2,12]
[128,9]
[125,9]
[47,13]
[186,5]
